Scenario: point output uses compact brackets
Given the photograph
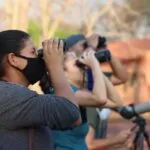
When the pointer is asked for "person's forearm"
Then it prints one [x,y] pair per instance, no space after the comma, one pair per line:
[118,69]
[60,84]
[112,94]
[110,104]
[101,144]
[99,88]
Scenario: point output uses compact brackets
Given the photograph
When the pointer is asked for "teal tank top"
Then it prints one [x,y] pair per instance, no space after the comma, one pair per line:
[72,139]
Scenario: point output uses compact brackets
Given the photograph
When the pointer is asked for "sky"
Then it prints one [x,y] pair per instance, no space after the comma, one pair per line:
[90,1]
[1,2]
[77,9]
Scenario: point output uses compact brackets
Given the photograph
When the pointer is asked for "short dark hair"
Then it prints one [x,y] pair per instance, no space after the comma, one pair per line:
[11,41]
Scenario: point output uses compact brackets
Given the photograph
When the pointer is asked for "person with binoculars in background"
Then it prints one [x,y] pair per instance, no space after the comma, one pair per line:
[103,93]
[117,77]
[98,118]
[26,118]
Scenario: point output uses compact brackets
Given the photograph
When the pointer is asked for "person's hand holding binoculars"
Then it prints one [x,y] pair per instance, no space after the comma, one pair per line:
[88,58]
[97,42]
[53,52]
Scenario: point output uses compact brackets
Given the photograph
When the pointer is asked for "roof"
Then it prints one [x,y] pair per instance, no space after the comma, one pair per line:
[129,49]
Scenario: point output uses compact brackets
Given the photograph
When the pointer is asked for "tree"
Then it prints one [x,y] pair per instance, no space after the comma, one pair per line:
[17,14]
[118,20]
[49,23]
[45,9]
[87,26]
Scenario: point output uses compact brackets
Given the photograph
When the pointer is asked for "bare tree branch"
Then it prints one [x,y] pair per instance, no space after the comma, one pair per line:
[45,16]
[15,16]
[8,8]
[93,17]
[23,21]
[58,17]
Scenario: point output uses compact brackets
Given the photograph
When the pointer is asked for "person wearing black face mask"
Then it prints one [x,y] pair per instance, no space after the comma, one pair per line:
[34,69]
[25,116]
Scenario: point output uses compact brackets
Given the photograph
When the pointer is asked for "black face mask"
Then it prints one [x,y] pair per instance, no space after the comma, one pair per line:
[34,70]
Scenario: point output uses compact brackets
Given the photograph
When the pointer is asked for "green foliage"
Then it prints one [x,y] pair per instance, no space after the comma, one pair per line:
[35,31]
[63,33]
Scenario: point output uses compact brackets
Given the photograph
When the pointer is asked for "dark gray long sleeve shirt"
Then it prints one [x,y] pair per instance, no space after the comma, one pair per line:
[21,108]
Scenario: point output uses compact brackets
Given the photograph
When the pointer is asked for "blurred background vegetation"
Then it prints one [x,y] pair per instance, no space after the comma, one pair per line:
[116,19]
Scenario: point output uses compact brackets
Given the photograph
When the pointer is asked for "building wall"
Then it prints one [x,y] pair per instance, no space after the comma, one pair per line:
[137,88]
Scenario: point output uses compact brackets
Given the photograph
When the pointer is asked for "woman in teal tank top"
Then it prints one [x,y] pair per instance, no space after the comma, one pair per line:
[74,139]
